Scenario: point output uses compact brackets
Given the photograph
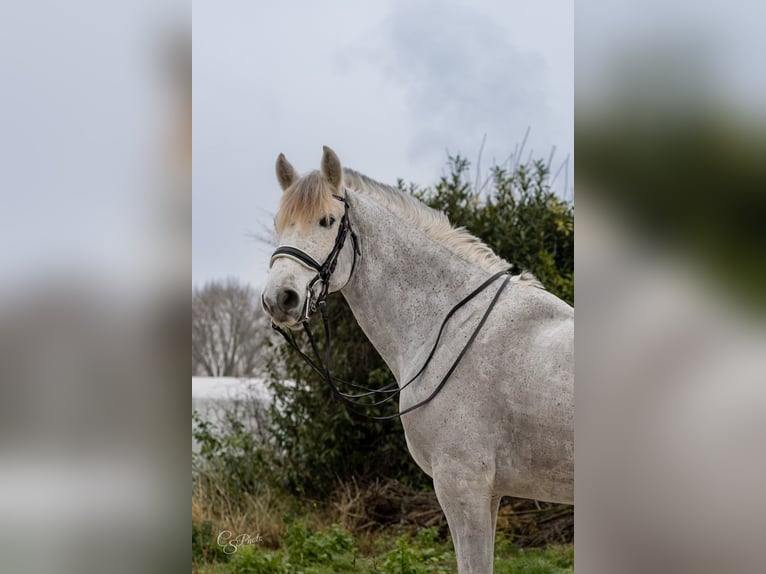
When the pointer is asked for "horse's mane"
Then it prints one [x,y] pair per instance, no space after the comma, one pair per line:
[310,196]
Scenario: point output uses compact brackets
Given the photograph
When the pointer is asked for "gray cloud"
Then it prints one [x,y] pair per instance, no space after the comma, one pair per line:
[463,77]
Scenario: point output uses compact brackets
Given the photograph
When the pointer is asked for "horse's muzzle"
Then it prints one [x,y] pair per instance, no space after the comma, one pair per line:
[283,305]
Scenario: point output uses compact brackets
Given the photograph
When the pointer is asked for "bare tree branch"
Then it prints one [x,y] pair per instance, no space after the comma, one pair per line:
[229,330]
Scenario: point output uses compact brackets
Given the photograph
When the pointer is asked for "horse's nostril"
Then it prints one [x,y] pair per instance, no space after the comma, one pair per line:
[265,304]
[288,299]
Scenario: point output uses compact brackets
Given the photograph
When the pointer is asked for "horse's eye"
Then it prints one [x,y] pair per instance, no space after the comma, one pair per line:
[327,221]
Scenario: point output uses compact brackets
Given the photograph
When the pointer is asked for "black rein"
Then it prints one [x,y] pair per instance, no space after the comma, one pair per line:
[322,368]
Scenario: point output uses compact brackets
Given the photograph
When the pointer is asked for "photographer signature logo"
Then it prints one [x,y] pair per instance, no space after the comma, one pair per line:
[231,543]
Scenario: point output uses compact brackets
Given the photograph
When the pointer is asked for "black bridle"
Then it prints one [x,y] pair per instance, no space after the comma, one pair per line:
[319,301]
[326,269]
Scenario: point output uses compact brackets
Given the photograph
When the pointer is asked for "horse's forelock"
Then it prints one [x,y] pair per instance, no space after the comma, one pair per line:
[306,201]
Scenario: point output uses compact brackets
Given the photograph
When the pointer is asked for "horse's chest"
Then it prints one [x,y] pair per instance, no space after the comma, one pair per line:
[418,442]
[436,433]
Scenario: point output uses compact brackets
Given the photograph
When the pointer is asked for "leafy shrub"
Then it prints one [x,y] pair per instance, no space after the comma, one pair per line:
[303,551]
[307,547]
[252,560]
[231,455]
[419,556]
[517,215]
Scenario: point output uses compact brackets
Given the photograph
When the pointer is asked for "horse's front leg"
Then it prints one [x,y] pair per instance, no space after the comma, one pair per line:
[471,510]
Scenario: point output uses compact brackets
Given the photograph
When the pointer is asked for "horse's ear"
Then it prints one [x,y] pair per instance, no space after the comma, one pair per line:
[286,174]
[331,169]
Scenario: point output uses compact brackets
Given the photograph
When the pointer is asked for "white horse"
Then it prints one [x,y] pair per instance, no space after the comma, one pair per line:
[502,425]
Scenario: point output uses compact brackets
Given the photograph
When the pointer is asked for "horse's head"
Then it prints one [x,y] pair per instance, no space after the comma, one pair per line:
[311,232]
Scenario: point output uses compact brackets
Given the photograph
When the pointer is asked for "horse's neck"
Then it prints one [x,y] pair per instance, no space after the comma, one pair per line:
[404,284]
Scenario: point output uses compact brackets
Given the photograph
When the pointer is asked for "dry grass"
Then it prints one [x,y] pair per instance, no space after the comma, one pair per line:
[388,503]
[532,523]
[263,514]
[383,506]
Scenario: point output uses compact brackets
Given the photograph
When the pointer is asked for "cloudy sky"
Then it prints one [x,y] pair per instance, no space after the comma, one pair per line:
[390,86]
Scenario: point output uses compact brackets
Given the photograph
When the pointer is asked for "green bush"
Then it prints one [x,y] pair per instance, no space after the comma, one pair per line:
[307,547]
[253,560]
[231,455]
[419,556]
[517,215]
[303,550]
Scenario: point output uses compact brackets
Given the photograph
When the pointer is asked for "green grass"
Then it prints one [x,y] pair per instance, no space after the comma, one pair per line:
[334,550]
[234,491]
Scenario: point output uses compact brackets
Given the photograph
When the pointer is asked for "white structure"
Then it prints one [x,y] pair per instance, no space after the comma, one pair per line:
[213,397]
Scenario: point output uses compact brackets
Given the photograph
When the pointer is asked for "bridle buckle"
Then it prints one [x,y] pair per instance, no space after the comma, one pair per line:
[311,301]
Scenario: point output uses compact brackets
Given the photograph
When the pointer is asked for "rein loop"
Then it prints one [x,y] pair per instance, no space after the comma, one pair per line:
[322,367]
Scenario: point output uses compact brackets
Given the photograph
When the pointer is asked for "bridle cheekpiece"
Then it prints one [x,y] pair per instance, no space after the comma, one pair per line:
[326,269]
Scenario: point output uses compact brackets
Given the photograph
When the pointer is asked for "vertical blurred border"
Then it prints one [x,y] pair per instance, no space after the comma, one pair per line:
[670,142]
[95,266]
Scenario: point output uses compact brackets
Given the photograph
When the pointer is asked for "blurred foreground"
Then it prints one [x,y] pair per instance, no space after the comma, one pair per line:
[671,346]
[94,306]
